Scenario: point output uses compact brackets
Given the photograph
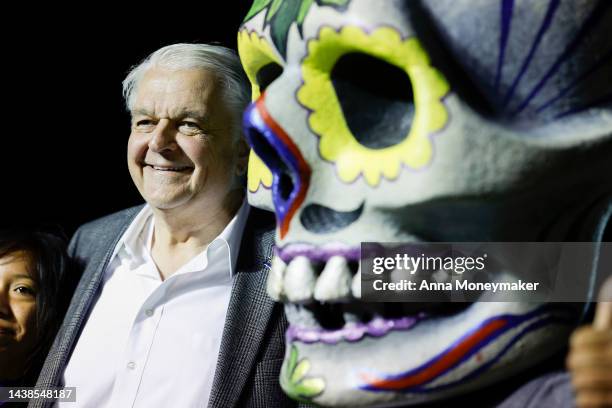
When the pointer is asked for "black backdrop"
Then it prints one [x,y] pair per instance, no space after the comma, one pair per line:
[64,126]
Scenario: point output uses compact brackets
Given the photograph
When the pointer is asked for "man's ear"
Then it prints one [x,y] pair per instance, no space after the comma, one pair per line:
[242,156]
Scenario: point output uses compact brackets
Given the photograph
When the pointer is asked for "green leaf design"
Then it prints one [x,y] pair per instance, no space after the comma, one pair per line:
[294,381]
[274,7]
[257,6]
[283,18]
[293,356]
[281,14]
[336,3]
[300,370]
[311,386]
[304,7]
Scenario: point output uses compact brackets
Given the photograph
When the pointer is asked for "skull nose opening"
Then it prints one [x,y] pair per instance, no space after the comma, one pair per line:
[290,172]
[286,187]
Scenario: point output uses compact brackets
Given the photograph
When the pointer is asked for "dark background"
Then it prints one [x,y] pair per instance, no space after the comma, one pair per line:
[64,124]
[64,127]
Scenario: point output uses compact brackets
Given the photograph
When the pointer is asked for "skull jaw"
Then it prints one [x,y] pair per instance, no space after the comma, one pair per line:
[342,361]
[352,370]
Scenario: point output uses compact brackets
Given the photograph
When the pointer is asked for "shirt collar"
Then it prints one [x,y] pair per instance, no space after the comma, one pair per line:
[135,238]
[232,234]
[136,241]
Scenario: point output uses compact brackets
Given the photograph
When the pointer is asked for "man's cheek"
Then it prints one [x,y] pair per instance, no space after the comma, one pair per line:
[137,148]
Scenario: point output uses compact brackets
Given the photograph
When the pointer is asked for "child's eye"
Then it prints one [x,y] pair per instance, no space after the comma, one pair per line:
[24,290]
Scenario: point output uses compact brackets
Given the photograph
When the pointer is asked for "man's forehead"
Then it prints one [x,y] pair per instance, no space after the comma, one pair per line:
[182,92]
[186,81]
[179,112]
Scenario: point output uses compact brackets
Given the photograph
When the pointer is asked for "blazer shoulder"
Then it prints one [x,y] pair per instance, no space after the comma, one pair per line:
[100,230]
[110,221]
[261,221]
[260,227]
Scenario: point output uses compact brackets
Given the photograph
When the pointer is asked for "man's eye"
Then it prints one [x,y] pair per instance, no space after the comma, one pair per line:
[190,126]
[144,123]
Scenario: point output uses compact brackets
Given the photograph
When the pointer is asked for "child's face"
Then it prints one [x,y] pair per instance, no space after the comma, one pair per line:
[17,314]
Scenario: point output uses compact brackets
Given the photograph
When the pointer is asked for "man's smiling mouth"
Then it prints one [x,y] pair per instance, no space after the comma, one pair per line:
[179,169]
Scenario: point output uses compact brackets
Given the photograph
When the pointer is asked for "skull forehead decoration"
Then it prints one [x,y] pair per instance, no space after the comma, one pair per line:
[421,121]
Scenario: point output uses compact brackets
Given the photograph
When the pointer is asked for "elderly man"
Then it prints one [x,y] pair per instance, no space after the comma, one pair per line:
[171,310]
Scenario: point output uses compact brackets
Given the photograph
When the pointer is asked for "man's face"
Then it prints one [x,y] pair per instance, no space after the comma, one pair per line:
[180,151]
[17,314]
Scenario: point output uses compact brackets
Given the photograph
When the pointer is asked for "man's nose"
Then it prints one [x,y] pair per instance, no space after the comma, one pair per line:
[163,138]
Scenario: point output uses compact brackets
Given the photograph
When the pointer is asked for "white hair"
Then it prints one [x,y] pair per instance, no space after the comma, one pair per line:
[222,61]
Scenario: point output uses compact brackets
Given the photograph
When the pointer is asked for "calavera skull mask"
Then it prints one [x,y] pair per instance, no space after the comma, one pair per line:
[414,121]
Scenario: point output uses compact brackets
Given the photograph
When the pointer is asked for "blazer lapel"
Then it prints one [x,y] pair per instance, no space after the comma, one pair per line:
[84,296]
[247,319]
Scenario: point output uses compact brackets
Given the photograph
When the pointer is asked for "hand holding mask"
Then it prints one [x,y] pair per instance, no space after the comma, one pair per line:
[590,358]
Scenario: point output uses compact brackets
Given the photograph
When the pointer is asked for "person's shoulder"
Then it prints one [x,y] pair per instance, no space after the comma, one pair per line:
[261,220]
[110,222]
[101,229]
[548,390]
[257,237]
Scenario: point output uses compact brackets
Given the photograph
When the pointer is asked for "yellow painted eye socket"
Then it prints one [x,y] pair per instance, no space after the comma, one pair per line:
[365,130]
[258,173]
[260,62]
[261,65]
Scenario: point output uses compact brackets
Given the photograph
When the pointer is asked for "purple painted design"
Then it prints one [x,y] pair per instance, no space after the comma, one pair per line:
[529,328]
[538,318]
[352,332]
[255,129]
[591,21]
[601,62]
[506,18]
[550,12]
[318,253]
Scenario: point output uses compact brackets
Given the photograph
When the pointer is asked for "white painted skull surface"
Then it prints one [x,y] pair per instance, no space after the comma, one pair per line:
[408,121]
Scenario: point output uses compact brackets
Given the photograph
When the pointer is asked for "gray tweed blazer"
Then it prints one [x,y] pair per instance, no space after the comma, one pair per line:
[252,345]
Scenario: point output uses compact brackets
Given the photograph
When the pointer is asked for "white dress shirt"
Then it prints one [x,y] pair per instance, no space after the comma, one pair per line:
[153,343]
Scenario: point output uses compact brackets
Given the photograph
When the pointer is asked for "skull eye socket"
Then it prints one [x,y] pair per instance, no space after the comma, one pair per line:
[261,63]
[373,99]
[262,66]
[376,99]
[268,74]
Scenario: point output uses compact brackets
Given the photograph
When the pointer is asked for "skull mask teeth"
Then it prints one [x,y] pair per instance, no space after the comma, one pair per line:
[303,281]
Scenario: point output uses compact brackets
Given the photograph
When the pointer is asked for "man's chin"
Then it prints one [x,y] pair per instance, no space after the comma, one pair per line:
[165,201]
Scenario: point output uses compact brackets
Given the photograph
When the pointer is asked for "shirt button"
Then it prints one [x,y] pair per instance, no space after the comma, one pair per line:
[149,312]
[131,365]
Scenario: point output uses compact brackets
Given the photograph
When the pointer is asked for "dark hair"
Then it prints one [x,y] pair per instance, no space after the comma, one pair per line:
[55,278]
